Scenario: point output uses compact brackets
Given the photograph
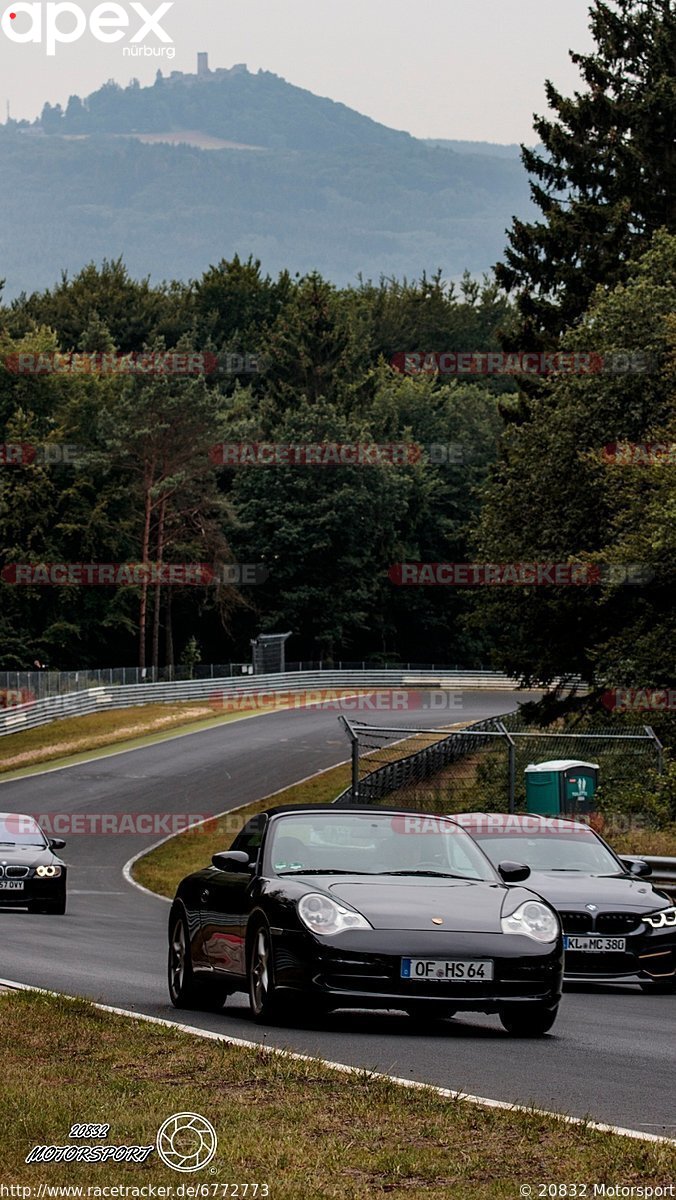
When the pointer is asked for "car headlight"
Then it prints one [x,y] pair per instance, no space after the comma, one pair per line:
[662,919]
[322,915]
[48,872]
[534,920]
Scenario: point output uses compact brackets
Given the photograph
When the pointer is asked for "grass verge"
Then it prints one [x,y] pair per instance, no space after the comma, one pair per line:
[302,1128]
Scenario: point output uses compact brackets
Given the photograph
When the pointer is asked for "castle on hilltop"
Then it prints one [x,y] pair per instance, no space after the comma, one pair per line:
[204,72]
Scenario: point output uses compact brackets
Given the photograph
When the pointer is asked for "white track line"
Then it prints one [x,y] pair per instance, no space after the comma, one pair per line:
[414,1085]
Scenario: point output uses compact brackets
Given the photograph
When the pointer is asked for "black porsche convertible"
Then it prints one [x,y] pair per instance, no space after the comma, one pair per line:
[617,926]
[32,876]
[317,908]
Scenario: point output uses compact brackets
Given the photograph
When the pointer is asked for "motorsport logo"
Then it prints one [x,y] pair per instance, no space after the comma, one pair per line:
[65,22]
[186,1142]
[82,1149]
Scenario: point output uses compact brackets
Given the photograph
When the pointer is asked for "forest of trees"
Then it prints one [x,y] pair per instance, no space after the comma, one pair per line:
[528,478]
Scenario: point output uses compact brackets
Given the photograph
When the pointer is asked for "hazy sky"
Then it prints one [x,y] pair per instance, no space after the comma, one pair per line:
[438,68]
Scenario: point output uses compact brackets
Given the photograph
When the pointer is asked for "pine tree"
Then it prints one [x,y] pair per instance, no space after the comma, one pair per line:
[606,180]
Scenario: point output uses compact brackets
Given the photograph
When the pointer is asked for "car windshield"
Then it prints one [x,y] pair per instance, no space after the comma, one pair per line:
[551,851]
[20,831]
[395,844]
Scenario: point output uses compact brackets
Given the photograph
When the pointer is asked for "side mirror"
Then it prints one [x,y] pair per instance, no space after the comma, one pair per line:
[232,861]
[56,844]
[513,872]
[636,866]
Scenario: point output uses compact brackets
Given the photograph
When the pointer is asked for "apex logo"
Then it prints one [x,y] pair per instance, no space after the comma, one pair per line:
[67,22]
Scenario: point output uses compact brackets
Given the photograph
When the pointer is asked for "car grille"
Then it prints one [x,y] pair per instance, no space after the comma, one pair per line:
[15,872]
[576,922]
[606,923]
[617,922]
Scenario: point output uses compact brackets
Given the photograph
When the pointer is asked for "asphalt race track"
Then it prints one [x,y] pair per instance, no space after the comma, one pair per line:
[611,1055]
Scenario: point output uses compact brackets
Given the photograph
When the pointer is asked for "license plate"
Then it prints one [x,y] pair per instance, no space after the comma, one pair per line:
[467,970]
[595,945]
[11,885]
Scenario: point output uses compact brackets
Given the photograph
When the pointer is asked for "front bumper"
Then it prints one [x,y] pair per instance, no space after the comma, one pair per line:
[647,956]
[363,969]
[35,890]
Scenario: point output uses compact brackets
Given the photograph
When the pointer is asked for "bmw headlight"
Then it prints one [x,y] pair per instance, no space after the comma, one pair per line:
[51,872]
[321,914]
[663,919]
[533,920]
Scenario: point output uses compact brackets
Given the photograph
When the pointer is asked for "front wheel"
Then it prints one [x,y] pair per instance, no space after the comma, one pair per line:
[264,998]
[187,990]
[528,1020]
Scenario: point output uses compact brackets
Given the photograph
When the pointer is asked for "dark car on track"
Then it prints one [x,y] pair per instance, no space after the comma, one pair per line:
[31,874]
[316,908]
[617,926]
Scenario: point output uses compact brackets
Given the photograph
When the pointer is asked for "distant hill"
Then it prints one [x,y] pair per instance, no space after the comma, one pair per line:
[197,167]
[492,149]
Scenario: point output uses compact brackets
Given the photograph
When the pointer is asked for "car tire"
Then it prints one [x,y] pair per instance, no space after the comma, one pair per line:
[56,908]
[187,990]
[528,1020]
[659,987]
[264,998]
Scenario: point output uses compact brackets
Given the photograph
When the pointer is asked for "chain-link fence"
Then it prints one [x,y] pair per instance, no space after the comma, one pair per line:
[482,767]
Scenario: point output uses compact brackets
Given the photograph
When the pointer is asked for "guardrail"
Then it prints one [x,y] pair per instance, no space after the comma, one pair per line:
[664,871]
[20,687]
[219,691]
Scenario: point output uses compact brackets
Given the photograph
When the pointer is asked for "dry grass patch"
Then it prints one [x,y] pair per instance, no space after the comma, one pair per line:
[78,735]
[304,1129]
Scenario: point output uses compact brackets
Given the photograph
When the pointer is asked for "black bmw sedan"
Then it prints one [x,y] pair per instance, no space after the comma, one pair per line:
[317,908]
[31,875]
[617,926]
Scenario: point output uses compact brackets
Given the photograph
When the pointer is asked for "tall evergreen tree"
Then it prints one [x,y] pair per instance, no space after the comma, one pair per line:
[606,178]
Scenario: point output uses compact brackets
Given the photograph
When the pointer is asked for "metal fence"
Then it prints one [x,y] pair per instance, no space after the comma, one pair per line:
[314,686]
[21,687]
[482,766]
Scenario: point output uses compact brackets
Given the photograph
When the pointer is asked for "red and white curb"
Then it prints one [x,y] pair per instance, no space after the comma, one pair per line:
[345,1069]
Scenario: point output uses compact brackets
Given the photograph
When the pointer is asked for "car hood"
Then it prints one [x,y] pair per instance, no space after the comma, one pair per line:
[411,903]
[27,856]
[572,891]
